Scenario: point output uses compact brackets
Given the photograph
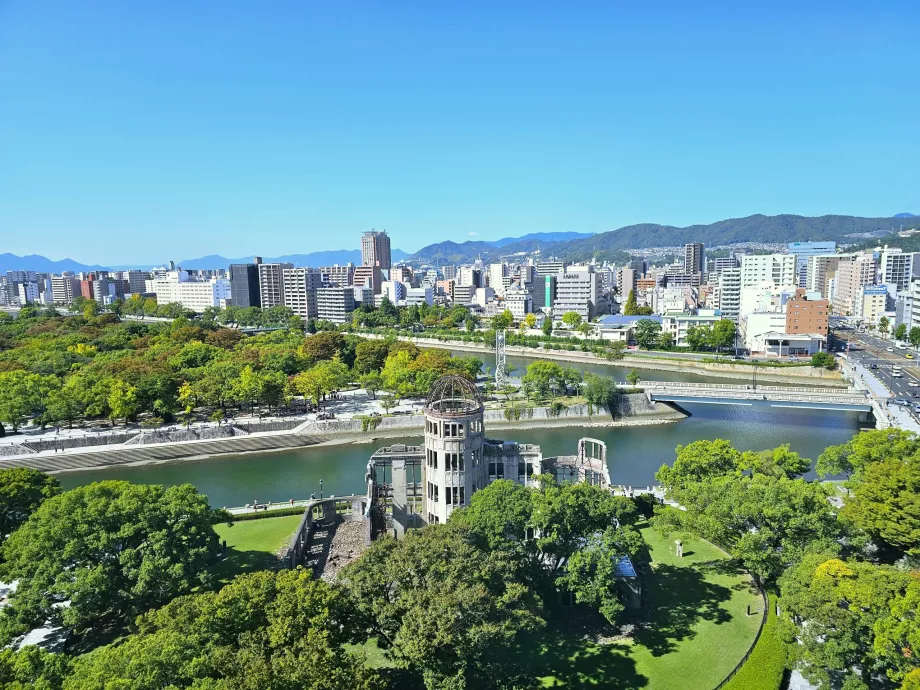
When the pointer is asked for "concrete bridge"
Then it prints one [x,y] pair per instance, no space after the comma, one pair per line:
[846,399]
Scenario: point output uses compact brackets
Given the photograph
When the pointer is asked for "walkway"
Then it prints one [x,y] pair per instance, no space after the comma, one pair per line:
[821,398]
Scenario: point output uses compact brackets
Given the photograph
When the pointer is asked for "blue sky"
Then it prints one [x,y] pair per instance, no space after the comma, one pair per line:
[139,132]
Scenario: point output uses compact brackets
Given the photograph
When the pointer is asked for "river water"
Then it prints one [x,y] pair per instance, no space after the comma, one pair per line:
[634,453]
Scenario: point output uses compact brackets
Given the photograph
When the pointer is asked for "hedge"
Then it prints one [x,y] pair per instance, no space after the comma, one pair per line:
[259,514]
[767,664]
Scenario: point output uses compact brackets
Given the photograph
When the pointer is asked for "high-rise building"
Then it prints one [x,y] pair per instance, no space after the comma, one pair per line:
[727,294]
[449,272]
[694,261]
[820,271]
[300,286]
[196,295]
[64,288]
[470,276]
[244,285]
[375,249]
[271,284]
[852,276]
[497,275]
[368,276]
[898,267]
[335,303]
[803,250]
[758,269]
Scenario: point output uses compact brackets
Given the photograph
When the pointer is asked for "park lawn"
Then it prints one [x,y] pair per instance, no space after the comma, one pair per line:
[765,668]
[698,629]
[253,544]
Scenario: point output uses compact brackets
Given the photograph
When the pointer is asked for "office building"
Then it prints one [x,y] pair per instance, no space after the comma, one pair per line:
[804,315]
[519,303]
[464,294]
[420,295]
[244,285]
[683,280]
[470,276]
[64,288]
[497,277]
[578,289]
[271,284]
[803,250]
[874,303]
[197,296]
[694,261]
[335,304]
[776,269]
[449,272]
[300,286]
[375,250]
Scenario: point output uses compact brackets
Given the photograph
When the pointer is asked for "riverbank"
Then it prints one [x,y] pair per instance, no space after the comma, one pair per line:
[630,410]
[803,375]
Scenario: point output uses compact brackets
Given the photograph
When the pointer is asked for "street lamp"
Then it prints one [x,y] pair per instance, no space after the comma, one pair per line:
[754,375]
[321,489]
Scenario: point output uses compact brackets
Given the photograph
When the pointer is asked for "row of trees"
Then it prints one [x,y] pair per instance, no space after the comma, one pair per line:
[61,370]
[846,578]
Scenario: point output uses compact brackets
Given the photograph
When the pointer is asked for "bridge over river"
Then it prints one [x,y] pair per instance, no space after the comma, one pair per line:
[848,399]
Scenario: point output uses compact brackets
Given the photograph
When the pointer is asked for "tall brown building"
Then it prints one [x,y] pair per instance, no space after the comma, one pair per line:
[805,315]
[375,249]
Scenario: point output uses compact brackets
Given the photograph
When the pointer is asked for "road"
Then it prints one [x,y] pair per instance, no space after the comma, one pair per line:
[872,352]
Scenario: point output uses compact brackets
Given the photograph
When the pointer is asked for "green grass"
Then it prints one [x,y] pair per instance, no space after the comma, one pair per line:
[765,668]
[697,630]
[252,544]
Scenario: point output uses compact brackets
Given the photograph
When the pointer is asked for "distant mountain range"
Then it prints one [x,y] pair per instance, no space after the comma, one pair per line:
[572,246]
[41,264]
[611,245]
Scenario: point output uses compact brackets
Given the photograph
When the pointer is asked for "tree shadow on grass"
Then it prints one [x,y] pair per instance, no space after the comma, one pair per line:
[676,599]
[239,561]
[561,658]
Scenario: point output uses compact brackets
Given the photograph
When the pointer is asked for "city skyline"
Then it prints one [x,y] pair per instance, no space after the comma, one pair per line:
[299,126]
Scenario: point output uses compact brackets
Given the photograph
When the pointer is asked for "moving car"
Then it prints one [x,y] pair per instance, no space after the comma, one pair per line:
[874,366]
[889,349]
[908,356]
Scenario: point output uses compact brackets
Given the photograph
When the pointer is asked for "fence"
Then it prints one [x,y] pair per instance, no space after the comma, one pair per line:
[747,654]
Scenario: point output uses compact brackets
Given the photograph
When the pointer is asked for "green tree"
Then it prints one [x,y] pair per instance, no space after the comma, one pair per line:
[530,320]
[616,350]
[22,491]
[547,326]
[699,337]
[647,332]
[699,460]
[599,390]
[23,394]
[325,377]
[629,307]
[324,346]
[125,548]
[885,503]
[405,591]
[502,321]
[722,334]
[371,382]
[900,333]
[249,386]
[633,377]
[264,630]
[370,356]
[823,360]
[32,668]
[572,319]
[543,379]
[897,634]
[122,401]
[64,403]
[866,447]
[831,607]
[883,325]
[914,336]
[666,341]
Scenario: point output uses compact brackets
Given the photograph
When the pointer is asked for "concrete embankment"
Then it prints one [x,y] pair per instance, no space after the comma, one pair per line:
[793,375]
[630,409]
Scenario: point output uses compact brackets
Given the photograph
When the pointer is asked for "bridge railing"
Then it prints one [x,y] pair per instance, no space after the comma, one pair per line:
[733,386]
[752,395]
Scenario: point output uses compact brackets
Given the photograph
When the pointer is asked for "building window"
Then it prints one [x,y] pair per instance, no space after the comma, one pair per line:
[453,461]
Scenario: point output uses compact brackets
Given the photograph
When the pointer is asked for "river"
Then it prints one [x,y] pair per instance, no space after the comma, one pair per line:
[634,453]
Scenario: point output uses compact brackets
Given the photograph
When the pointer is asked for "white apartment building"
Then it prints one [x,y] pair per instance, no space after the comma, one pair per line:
[271,284]
[727,293]
[419,295]
[778,269]
[896,267]
[338,276]
[64,288]
[299,293]
[394,290]
[194,295]
[578,289]
[519,303]
[820,270]
[335,303]
[28,293]
[755,324]
[497,275]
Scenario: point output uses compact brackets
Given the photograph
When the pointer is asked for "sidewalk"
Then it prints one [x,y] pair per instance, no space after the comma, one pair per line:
[865,379]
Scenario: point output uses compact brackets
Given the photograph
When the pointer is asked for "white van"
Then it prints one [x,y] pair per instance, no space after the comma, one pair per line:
[896,372]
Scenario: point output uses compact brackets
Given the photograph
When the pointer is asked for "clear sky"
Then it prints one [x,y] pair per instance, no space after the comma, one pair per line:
[143,131]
